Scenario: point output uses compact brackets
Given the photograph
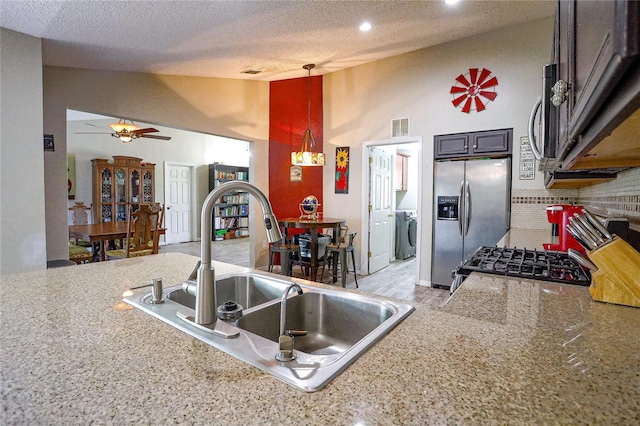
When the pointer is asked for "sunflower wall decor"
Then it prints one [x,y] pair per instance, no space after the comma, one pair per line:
[471,88]
[342,170]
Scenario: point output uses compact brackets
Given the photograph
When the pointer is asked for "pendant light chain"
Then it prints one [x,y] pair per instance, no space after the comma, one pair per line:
[309,103]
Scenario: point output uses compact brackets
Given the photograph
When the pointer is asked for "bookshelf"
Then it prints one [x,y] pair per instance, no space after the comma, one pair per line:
[231,210]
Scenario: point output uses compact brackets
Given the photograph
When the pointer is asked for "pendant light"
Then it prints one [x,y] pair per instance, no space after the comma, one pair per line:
[306,156]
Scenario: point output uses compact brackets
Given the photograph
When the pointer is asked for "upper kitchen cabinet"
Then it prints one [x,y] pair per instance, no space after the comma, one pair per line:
[402,172]
[463,145]
[597,52]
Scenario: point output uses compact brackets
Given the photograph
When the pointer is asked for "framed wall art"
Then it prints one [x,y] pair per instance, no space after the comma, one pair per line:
[71,176]
[48,143]
[342,170]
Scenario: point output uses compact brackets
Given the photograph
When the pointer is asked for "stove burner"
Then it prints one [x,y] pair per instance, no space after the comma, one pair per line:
[552,266]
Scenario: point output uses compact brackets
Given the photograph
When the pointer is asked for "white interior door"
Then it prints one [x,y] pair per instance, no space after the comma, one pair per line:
[379,209]
[177,203]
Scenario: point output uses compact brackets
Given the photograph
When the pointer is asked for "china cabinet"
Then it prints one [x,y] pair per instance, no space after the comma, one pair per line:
[120,184]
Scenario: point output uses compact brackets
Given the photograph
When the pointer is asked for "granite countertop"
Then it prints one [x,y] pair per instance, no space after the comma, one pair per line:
[501,351]
[527,238]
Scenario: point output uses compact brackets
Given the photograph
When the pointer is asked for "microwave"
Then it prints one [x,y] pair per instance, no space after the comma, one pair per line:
[544,146]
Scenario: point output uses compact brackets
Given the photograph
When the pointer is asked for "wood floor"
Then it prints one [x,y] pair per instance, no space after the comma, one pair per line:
[396,281]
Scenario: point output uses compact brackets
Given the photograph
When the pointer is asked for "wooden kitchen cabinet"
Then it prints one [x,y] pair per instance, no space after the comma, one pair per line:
[402,172]
[597,52]
[119,185]
[463,145]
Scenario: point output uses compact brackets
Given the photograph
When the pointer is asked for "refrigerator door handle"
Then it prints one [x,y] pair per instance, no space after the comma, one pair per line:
[467,208]
[460,213]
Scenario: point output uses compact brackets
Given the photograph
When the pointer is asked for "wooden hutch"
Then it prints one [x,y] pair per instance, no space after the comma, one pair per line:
[119,185]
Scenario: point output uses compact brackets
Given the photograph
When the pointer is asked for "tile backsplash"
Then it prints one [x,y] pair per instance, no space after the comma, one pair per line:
[528,206]
[618,198]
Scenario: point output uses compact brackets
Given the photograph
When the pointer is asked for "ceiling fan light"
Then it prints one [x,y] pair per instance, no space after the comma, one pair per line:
[126,138]
[122,126]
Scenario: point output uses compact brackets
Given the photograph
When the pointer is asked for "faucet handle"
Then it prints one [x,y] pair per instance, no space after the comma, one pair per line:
[285,352]
[285,343]
[293,333]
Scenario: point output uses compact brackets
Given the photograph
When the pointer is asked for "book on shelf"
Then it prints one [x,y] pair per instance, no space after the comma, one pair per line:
[238,175]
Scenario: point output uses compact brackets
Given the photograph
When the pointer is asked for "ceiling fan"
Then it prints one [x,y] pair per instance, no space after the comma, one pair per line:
[127,131]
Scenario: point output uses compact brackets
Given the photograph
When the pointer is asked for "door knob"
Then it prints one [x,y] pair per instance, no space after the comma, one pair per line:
[559,90]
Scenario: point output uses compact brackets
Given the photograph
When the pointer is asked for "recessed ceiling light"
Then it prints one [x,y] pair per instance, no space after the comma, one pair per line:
[451,2]
[251,71]
[365,26]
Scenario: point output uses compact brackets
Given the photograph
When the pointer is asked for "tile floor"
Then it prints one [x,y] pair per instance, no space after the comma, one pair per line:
[396,281]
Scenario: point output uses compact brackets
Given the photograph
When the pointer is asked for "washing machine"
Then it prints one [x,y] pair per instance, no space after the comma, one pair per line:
[406,233]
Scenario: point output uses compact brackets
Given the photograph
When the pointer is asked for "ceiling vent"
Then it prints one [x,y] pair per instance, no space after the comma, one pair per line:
[251,72]
[400,127]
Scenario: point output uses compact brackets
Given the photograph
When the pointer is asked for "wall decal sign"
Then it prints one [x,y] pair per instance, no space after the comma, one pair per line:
[295,174]
[471,88]
[527,160]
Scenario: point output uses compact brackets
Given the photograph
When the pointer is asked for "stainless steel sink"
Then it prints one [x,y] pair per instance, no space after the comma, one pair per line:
[334,323]
[247,290]
[340,325]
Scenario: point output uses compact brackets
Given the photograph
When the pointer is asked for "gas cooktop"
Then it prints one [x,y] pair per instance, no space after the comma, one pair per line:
[552,266]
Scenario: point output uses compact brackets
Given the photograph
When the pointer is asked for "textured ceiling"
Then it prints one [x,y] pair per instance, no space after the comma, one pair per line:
[223,38]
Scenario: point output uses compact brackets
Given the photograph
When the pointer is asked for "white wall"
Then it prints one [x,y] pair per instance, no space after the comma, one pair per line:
[361,101]
[237,109]
[22,201]
[197,149]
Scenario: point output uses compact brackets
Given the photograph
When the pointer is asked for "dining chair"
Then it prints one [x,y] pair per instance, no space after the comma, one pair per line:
[302,257]
[142,234]
[286,251]
[80,251]
[338,255]
[79,254]
[159,222]
[79,216]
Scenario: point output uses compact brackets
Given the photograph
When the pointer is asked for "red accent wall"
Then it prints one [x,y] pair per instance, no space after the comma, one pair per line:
[288,100]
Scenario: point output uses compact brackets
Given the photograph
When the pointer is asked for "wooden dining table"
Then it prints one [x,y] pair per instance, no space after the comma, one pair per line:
[101,232]
[313,225]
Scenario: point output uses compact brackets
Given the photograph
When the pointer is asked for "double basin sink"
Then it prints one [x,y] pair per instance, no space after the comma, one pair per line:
[339,325]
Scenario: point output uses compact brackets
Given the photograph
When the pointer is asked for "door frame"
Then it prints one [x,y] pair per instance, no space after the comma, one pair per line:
[193,236]
[364,219]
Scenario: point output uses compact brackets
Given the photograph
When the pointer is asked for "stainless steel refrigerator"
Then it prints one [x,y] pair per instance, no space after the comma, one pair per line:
[472,209]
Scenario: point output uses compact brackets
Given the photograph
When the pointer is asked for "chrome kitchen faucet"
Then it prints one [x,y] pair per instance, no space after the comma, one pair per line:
[201,282]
